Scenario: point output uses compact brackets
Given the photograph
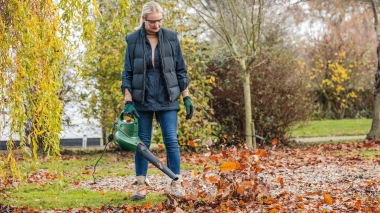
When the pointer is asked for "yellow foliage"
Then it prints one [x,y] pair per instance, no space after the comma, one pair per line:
[334,78]
[36,43]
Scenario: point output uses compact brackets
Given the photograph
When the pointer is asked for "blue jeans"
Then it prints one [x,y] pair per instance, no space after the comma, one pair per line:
[168,121]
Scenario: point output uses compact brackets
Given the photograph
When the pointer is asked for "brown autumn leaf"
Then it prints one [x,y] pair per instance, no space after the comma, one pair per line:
[261,153]
[228,166]
[178,210]
[281,181]
[224,154]
[246,184]
[212,179]
[274,210]
[214,158]
[186,184]
[327,199]
[160,207]
[191,143]
[226,192]
[269,201]
[240,190]
[274,141]
[147,205]
[258,169]
[243,153]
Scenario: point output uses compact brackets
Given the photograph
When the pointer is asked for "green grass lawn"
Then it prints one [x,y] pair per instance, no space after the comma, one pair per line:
[54,196]
[60,193]
[50,193]
[333,128]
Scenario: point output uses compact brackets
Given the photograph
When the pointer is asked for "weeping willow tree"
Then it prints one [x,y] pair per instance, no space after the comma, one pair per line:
[102,99]
[39,42]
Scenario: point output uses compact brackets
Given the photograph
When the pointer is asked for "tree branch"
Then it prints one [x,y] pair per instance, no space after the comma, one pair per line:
[376,20]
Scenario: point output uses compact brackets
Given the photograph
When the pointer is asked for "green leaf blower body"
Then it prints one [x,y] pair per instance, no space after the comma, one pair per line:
[127,137]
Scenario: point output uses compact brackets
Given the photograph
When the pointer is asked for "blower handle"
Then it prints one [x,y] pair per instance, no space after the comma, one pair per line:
[144,151]
[122,114]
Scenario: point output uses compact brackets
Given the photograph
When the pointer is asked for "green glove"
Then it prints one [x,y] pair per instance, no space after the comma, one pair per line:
[189,107]
[130,110]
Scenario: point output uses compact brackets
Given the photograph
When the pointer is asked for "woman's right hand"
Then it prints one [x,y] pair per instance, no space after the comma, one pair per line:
[130,110]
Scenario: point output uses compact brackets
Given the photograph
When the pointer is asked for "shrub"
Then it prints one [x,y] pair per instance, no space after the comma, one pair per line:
[279,95]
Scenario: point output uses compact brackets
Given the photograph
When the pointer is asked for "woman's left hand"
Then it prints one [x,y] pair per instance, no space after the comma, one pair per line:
[189,107]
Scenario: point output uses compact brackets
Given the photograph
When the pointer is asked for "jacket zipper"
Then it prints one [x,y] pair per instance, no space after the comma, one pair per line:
[163,71]
[143,93]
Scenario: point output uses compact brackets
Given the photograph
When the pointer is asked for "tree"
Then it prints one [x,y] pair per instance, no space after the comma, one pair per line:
[37,44]
[102,99]
[375,128]
[337,58]
[238,24]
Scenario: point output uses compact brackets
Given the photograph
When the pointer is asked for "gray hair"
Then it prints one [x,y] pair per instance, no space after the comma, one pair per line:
[150,7]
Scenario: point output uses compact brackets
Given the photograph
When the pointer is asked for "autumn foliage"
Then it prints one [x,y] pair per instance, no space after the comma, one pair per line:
[340,60]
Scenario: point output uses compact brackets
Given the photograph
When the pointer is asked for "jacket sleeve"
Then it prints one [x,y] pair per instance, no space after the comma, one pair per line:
[127,74]
[181,71]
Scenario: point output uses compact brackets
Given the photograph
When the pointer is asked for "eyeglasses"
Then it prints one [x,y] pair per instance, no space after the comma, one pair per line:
[153,22]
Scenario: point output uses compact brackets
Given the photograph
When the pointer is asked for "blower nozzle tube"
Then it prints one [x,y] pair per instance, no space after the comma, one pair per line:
[144,151]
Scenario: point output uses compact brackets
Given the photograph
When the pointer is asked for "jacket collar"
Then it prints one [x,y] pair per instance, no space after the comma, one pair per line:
[143,32]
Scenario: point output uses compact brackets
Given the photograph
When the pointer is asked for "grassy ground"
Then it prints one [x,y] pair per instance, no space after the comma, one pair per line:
[334,128]
[366,154]
[39,189]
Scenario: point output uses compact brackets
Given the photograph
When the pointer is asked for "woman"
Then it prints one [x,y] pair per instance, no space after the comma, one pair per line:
[153,79]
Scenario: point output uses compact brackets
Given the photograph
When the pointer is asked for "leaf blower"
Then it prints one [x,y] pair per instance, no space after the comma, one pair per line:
[127,138]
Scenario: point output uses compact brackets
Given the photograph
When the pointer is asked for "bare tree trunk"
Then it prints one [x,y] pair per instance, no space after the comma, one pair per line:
[375,128]
[248,110]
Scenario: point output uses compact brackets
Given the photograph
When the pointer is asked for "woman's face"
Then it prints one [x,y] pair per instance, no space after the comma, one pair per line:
[153,22]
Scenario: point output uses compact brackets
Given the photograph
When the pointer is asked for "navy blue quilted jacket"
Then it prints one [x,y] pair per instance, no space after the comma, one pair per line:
[158,87]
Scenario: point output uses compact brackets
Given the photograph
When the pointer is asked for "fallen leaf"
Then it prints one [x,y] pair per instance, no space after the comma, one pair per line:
[228,166]
[160,207]
[186,184]
[178,210]
[327,199]
[243,153]
[240,190]
[274,141]
[261,153]
[212,179]
[147,205]
[281,181]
